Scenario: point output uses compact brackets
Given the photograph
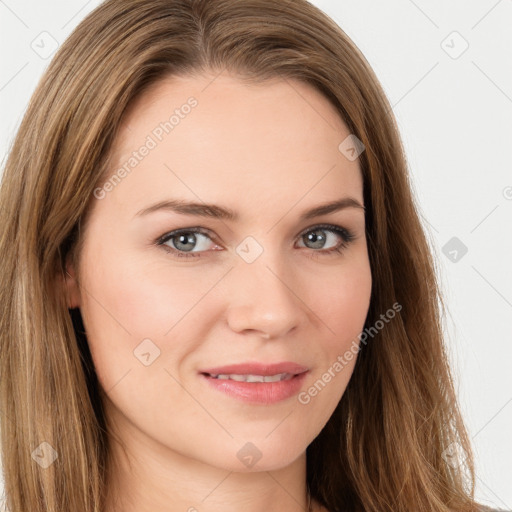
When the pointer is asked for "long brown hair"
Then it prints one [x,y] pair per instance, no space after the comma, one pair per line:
[385,446]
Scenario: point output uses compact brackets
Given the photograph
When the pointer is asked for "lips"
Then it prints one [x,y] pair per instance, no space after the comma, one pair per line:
[257,383]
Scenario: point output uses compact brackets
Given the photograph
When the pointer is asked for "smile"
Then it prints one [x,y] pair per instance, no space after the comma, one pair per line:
[253,378]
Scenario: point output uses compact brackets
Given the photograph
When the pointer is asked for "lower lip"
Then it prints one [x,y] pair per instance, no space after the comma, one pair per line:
[258,392]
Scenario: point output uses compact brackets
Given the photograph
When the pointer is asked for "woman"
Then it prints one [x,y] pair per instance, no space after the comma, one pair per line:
[217,291]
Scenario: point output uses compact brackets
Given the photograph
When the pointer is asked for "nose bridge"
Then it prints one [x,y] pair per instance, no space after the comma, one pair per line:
[261,296]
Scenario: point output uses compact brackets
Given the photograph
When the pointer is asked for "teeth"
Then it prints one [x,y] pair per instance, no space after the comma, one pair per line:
[254,378]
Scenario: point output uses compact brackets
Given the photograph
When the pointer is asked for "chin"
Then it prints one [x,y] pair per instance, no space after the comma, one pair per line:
[259,455]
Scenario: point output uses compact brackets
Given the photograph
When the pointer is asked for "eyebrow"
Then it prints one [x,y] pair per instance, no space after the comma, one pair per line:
[220,212]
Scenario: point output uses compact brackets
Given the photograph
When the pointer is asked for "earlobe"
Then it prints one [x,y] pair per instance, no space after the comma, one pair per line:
[72,289]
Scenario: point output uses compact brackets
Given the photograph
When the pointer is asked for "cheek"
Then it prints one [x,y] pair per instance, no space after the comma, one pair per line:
[127,300]
[138,299]
[341,298]
[341,303]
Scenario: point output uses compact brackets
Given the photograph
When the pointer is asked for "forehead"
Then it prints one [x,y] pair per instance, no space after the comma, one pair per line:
[219,139]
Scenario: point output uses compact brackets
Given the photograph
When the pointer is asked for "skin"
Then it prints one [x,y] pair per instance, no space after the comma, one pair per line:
[268,152]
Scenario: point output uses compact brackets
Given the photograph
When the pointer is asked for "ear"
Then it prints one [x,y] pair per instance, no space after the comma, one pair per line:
[72,288]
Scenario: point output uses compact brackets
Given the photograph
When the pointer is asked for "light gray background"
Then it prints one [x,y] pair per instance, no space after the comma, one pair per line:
[454,111]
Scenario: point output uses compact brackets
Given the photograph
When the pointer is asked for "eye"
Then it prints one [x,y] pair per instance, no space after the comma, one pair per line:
[191,242]
[182,242]
[318,237]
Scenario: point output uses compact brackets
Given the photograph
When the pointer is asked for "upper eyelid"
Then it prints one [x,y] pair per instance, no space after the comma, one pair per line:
[326,226]
[175,232]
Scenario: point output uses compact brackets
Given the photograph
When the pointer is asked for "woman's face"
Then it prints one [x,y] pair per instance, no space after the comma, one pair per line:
[263,286]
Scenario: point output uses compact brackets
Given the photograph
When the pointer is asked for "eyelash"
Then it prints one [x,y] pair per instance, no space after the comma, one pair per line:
[346,235]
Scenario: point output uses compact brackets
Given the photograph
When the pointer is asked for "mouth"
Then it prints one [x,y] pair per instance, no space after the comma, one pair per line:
[257,383]
[255,369]
[252,378]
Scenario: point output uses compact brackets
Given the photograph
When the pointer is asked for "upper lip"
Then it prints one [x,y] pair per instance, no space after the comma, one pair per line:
[264,369]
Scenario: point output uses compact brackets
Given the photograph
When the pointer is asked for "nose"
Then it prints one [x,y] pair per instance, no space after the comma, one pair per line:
[262,299]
